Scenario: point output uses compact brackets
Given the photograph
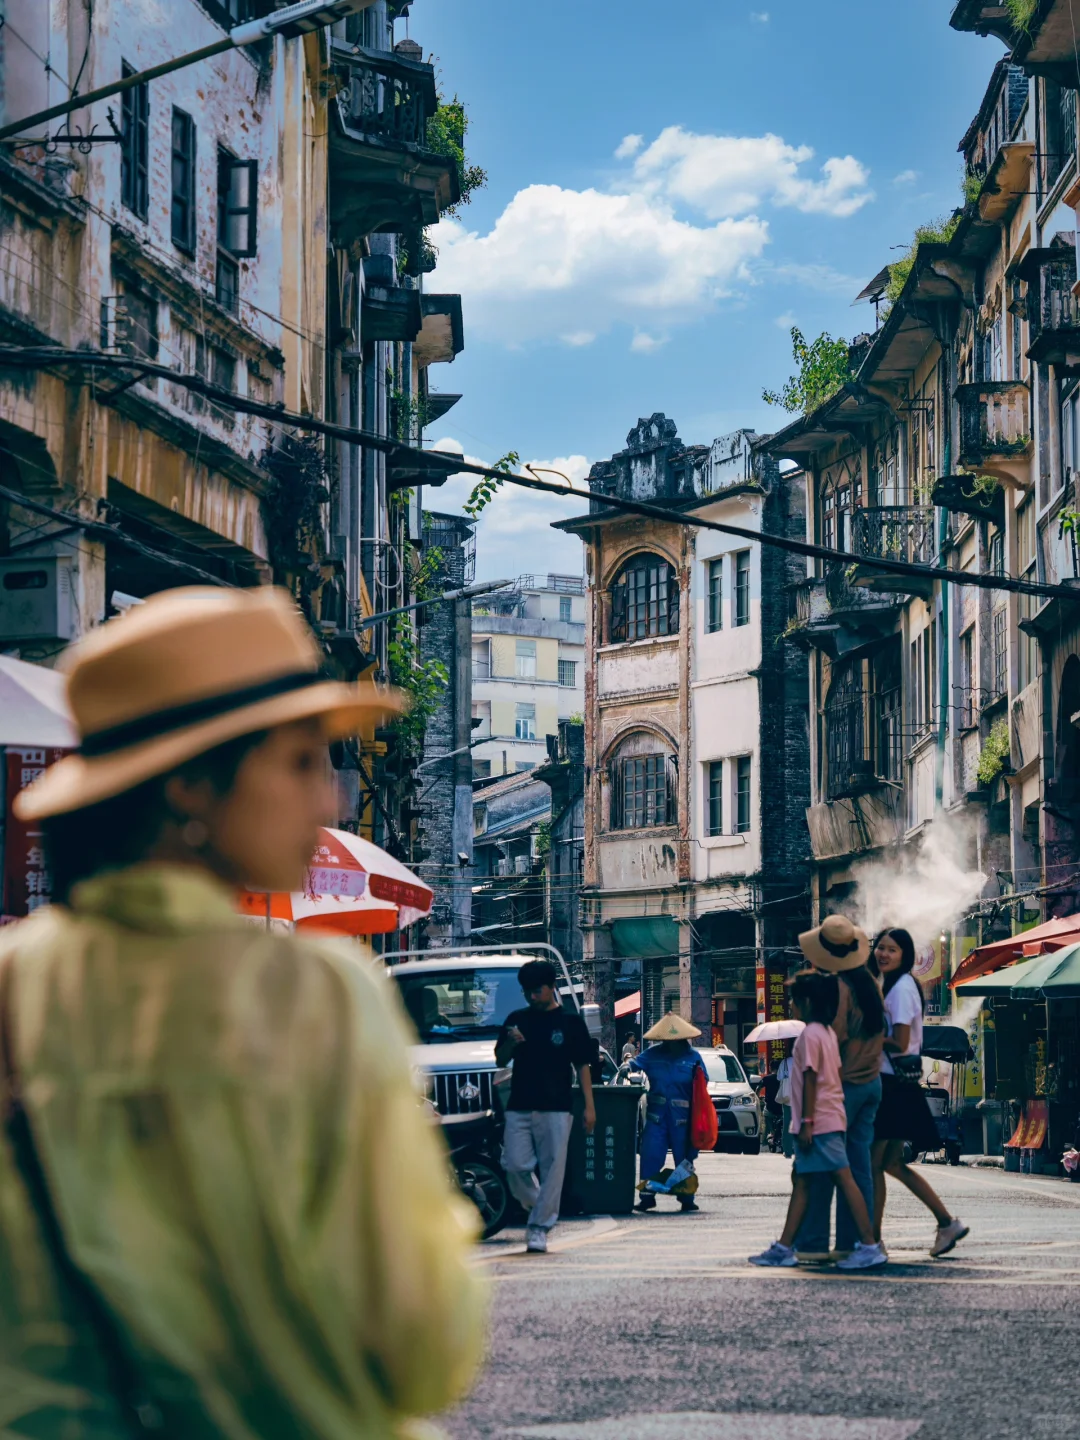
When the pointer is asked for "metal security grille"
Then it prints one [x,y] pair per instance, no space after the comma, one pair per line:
[645,791]
[449,1088]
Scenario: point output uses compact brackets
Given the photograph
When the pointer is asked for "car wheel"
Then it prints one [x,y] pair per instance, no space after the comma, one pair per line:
[487,1190]
[751,1147]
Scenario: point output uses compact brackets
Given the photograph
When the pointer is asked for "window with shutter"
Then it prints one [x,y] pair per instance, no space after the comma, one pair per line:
[644,599]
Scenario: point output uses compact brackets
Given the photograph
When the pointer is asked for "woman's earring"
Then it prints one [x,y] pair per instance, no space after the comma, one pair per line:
[195,834]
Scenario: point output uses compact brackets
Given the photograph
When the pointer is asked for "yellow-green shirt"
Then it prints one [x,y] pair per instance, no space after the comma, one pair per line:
[235,1150]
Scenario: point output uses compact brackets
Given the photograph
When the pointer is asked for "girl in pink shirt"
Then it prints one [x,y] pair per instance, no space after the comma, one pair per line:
[819,1120]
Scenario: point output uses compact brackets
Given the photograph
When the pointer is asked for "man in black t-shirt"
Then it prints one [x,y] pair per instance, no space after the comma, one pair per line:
[547,1044]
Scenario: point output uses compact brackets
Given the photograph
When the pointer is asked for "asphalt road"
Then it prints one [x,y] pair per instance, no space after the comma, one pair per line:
[653,1327]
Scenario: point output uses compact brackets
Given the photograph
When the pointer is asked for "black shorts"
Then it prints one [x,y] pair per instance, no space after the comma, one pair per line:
[905,1115]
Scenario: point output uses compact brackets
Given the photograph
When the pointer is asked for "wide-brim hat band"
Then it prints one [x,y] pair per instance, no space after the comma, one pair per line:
[219,665]
[836,945]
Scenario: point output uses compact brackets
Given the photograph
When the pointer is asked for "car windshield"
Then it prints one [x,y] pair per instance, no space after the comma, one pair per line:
[724,1069]
[447,1005]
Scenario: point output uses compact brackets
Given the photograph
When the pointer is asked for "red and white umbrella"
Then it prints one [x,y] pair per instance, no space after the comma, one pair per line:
[352,888]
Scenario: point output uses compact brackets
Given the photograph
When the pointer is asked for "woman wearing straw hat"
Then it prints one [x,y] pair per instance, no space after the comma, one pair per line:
[221,1212]
[669,1065]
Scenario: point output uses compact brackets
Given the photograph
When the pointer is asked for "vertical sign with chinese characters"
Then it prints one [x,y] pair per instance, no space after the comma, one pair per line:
[26,880]
[771,1005]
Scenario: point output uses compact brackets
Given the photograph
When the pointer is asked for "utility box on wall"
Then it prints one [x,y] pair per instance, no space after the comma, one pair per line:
[36,600]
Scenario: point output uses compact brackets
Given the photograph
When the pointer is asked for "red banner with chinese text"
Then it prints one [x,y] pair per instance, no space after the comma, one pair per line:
[771,1005]
[27,883]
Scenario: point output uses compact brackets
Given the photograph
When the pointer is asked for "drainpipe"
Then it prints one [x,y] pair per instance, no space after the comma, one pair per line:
[943,670]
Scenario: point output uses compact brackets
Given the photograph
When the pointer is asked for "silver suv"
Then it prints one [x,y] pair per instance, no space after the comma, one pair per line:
[737,1107]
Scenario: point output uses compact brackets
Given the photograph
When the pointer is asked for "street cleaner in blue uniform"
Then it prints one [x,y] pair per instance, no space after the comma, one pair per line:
[669,1066]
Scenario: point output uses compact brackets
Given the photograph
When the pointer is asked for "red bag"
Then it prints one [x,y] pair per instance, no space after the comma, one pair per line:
[704,1126]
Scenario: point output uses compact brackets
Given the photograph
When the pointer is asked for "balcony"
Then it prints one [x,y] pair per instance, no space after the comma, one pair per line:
[382,175]
[985,17]
[895,532]
[442,333]
[390,311]
[863,744]
[833,614]
[1053,309]
[995,430]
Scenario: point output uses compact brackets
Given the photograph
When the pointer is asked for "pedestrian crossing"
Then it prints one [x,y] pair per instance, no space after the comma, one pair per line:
[747,1425]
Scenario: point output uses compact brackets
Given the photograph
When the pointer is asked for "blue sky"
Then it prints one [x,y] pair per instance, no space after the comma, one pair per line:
[670,189]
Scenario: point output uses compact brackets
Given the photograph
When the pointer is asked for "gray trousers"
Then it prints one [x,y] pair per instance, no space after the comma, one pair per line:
[535,1142]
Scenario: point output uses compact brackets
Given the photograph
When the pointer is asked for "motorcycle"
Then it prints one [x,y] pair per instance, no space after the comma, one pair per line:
[475,1143]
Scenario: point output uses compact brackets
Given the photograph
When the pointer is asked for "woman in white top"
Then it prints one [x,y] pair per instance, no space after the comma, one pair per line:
[904,1116]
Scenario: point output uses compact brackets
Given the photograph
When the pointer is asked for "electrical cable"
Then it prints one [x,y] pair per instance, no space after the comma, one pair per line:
[45,356]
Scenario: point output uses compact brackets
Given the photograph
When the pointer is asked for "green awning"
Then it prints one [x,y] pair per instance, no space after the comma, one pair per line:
[646,937]
[1046,977]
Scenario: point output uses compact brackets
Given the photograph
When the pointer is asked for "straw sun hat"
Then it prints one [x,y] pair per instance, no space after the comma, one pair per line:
[181,674]
[836,945]
[672,1027]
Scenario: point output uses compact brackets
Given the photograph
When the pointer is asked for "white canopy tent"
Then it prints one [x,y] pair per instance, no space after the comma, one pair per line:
[33,706]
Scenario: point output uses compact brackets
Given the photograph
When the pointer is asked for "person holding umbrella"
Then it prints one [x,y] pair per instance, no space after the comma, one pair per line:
[669,1064]
[222,1211]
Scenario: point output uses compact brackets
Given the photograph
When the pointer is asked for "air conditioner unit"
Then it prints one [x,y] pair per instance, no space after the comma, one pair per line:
[522,864]
[36,599]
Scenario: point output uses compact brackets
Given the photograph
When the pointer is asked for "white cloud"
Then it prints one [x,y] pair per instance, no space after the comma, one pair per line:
[759,17]
[644,343]
[726,175]
[514,536]
[571,263]
[814,277]
[787,320]
[906,177]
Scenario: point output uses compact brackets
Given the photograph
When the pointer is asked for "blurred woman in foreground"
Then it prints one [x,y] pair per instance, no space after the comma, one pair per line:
[221,1212]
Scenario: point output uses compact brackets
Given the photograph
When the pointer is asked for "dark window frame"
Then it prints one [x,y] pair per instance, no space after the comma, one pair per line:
[229,167]
[135,146]
[714,798]
[643,797]
[744,798]
[644,599]
[183,176]
[741,588]
[715,596]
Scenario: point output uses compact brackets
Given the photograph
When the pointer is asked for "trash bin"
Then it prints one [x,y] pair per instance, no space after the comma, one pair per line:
[601,1168]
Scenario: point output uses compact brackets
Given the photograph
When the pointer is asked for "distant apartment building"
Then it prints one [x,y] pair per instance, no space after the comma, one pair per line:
[528,670]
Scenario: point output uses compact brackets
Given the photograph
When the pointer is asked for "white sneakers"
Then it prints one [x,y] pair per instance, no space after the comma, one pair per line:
[777,1256]
[948,1236]
[863,1257]
[536,1240]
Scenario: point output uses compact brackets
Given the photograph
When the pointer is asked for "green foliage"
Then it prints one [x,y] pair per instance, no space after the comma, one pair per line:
[422,682]
[972,186]
[938,231]
[543,839]
[984,485]
[1069,523]
[446,131]
[429,580]
[300,485]
[823,368]
[408,415]
[995,753]
[1021,13]
[484,491]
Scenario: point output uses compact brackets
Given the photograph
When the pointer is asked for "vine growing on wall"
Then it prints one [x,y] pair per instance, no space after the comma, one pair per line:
[938,231]
[823,367]
[300,484]
[422,682]
[995,753]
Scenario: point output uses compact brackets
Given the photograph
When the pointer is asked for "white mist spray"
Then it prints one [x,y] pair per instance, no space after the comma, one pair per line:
[925,892]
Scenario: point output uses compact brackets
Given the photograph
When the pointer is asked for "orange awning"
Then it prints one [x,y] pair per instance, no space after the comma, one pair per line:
[628,1005]
[1053,935]
[1030,1134]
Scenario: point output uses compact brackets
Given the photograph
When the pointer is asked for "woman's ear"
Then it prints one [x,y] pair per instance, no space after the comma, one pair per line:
[189,799]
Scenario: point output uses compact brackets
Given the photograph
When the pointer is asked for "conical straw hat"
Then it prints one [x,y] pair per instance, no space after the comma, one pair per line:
[672,1027]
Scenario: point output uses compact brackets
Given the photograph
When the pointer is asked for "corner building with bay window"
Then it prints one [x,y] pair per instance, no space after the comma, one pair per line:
[696,746]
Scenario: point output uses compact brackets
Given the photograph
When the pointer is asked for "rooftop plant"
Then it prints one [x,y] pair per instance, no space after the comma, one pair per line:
[939,232]
[824,367]
[446,131]
[995,753]
[1021,13]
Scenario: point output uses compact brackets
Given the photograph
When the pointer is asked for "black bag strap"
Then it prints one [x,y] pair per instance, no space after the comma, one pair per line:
[142,1417]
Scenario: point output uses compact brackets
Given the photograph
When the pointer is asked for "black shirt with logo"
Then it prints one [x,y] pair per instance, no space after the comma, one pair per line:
[556,1041]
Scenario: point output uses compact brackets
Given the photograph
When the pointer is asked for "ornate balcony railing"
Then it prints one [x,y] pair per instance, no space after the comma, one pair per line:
[863,743]
[1053,309]
[389,98]
[995,421]
[895,532]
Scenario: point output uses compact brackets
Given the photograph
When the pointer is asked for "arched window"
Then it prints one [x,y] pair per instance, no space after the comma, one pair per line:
[644,599]
[642,784]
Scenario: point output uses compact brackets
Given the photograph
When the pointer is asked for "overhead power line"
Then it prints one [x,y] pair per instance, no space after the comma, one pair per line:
[45,356]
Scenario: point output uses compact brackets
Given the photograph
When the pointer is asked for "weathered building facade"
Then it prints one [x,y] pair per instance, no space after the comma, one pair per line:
[694,837]
[253,223]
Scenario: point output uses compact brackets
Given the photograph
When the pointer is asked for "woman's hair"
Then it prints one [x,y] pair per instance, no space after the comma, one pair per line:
[123,830]
[868,998]
[901,938]
[820,993]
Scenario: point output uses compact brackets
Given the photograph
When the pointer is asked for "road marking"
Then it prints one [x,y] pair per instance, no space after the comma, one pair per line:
[742,1425]
[599,1227]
